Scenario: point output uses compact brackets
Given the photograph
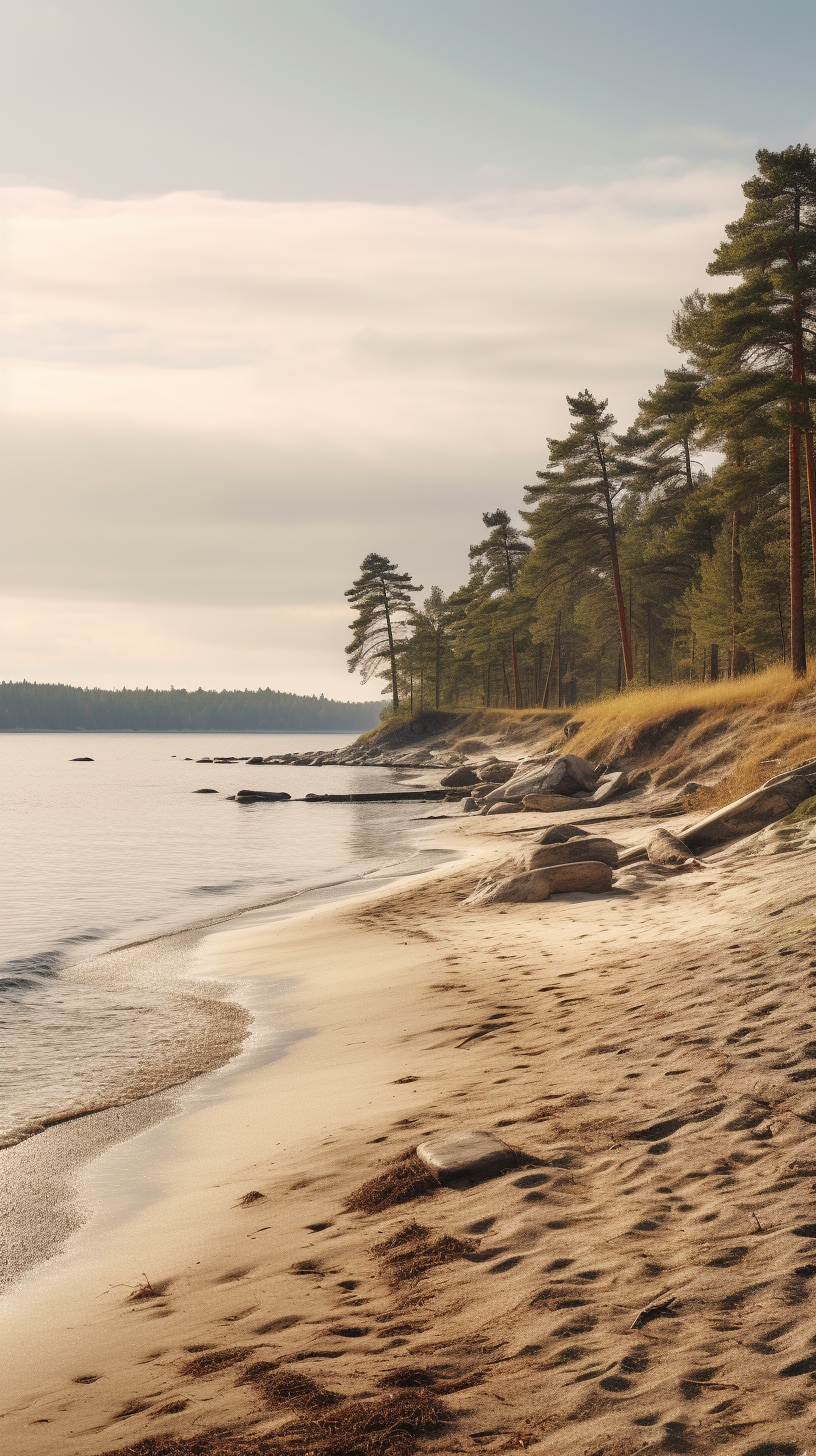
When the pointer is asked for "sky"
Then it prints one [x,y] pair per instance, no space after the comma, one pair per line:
[282,285]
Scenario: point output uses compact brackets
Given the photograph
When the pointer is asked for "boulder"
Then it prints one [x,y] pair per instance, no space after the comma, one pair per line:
[772,801]
[591,846]
[565,775]
[461,778]
[469,806]
[664,848]
[548,803]
[254,760]
[82,760]
[505,808]
[203,760]
[536,885]
[252,796]
[496,773]
[561,833]
[473,1154]
[608,786]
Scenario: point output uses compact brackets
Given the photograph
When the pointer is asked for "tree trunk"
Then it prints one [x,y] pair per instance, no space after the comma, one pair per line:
[736,586]
[556,651]
[438,673]
[714,670]
[811,485]
[391,652]
[797,606]
[504,675]
[559,667]
[649,645]
[687,454]
[782,628]
[626,645]
[516,678]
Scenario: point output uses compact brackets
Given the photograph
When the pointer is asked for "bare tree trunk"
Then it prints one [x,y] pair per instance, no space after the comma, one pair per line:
[559,667]
[811,486]
[782,627]
[516,678]
[736,586]
[504,675]
[438,673]
[391,652]
[691,668]
[626,644]
[797,606]
[703,674]
[649,644]
[714,671]
[556,652]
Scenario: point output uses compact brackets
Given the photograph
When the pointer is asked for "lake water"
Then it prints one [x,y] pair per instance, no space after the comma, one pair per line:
[101,858]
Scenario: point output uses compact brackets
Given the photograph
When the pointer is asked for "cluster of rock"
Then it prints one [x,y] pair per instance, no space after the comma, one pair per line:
[548,786]
[560,861]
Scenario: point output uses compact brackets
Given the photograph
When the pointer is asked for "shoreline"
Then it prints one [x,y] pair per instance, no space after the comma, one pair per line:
[44,1169]
[413,1015]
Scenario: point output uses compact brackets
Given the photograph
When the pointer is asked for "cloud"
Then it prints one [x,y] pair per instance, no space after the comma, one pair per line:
[225,403]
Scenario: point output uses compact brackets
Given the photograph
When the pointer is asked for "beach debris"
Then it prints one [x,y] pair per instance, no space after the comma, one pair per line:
[588,847]
[389,1425]
[461,778]
[249,1198]
[660,1310]
[214,1360]
[287,1387]
[539,884]
[413,1250]
[406,1178]
[665,848]
[476,1154]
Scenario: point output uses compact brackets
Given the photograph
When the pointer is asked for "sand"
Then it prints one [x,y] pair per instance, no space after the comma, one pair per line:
[640,1280]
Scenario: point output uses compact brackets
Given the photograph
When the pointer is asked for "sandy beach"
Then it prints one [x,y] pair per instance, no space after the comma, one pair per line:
[635,1048]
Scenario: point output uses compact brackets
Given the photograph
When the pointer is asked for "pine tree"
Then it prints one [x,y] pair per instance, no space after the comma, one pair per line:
[760,335]
[497,561]
[430,642]
[382,596]
[573,522]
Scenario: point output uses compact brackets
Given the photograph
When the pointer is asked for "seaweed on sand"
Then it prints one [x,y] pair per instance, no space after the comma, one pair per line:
[406,1178]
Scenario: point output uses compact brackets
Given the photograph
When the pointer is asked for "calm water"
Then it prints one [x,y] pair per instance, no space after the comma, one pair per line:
[99,855]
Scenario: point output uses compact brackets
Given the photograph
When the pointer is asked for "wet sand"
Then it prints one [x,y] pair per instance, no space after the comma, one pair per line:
[649,1052]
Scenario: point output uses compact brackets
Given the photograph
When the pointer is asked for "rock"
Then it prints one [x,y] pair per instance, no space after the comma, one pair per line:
[591,846]
[205,791]
[254,760]
[772,801]
[496,773]
[590,875]
[505,808]
[574,726]
[564,775]
[469,806]
[608,786]
[251,796]
[461,778]
[81,760]
[690,789]
[561,833]
[664,848]
[536,885]
[472,1154]
[203,760]
[548,803]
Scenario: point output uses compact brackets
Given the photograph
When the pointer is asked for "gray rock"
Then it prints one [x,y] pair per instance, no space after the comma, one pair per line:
[461,778]
[565,776]
[591,875]
[609,785]
[690,789]
[536,885]
[591,846]
[254,760]
[505,808]
[469,806]
[472,1154]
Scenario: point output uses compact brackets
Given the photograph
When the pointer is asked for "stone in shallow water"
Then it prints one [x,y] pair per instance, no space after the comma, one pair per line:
[476,1154]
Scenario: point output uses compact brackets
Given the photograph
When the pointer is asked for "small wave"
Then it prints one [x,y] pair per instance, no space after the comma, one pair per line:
[83,935]
[217,889]
[24,973]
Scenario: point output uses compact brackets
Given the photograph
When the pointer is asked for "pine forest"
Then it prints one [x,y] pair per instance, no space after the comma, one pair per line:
[633,562]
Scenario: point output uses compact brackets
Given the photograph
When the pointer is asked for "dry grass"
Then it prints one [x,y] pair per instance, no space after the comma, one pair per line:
[220,1441]
[287,1387]
[404,1179]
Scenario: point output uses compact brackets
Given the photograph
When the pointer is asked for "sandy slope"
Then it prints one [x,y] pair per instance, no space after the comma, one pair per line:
[649,1051]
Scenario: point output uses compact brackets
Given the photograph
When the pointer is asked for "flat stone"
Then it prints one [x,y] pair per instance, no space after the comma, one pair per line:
[505,808]
[476,1154]
[590,847]
[609,785]
[548,803]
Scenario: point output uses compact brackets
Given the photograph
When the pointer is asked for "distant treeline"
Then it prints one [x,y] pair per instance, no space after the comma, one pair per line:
[42,707]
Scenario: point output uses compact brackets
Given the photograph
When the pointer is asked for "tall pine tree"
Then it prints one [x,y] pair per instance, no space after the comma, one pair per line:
[382,596]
